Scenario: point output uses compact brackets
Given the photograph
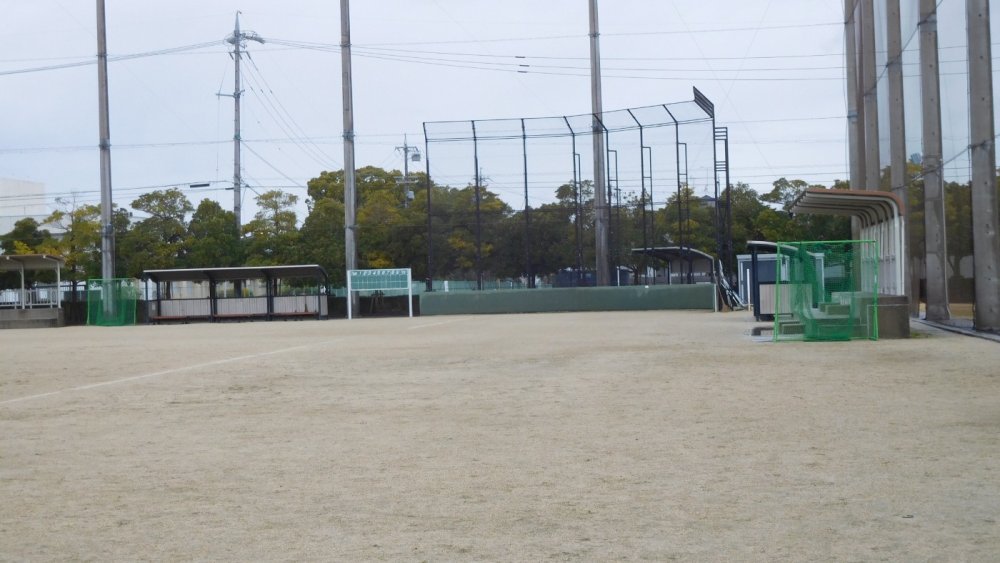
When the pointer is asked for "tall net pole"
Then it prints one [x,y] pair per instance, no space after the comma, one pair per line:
[350,196]
[600,180]
[107,229]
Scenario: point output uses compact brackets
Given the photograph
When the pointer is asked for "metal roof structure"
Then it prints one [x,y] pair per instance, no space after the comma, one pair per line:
[23,262]
[869,206]
[682,255]
[670,253]
[237,273]
[880,215]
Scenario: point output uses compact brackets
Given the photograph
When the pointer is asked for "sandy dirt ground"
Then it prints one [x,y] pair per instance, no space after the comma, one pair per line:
[597,436]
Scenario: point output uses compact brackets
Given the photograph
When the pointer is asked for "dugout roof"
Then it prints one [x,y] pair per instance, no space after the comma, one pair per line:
[24,262]
[237,273]
[670,253]
[880,217]
[870,206]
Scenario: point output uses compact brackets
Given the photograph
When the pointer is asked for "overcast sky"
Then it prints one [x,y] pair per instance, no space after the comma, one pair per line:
[773,68]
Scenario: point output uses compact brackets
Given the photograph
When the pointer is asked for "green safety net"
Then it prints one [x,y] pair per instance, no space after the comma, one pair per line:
[826,290]
[112,302]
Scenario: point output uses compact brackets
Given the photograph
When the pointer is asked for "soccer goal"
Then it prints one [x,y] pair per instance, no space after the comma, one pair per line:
[375,282]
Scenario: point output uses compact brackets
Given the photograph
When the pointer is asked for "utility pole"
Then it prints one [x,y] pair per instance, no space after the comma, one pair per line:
[405,181]
[935,231]
[238,40]
[107,227]
[350,196]
[985,208]
[601,211]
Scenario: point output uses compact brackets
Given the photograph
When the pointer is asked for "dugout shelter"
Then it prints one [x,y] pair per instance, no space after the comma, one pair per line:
[879,217]
[23,306]
[236,293]
[682,265]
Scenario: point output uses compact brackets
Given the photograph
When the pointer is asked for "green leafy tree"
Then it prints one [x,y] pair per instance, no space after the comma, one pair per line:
[379,218]
[25,238]
[784,192]
[368,180]
[745,207]
[783,226]
[214,240]
[462,240]
[166,205]
[160,240]
[80,245]
[553,242]
[273,237]
[444,208]
[410,238]
[696,217]
[322,238]
[632,222]
[390,226]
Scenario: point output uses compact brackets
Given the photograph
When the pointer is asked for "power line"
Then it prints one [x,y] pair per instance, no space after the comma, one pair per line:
[115,58]
[282,117]
[520,62]
[621,34]
[271,166]
[551,58]
[527,70]
[519,65]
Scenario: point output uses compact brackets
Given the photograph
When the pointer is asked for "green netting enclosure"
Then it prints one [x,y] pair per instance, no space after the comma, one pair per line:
[112,302]
[826,290]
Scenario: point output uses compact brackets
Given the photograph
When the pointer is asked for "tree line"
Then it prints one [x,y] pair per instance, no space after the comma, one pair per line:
[472,229]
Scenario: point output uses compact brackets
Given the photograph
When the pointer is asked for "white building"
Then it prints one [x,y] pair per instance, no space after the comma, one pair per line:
[20,199]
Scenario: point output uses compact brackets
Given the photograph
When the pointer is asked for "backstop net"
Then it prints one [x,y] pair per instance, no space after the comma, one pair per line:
[112,302]
[826,290]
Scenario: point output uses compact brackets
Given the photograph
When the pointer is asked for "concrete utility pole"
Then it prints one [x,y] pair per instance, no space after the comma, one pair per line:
[985,239]
[238,39]
[350,196]
[405,181]
[897,138]
[107,227]
[869,80]
[855,132]
[934,214]
[601,211]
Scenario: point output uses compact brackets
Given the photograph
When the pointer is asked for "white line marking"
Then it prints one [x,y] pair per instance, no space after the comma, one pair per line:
[155,374]
[437,324]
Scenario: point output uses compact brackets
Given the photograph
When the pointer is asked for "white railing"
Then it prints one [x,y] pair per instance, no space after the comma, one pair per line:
[42,298]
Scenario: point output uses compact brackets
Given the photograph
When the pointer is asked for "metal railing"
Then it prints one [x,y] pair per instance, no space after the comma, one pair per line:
[39,298]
